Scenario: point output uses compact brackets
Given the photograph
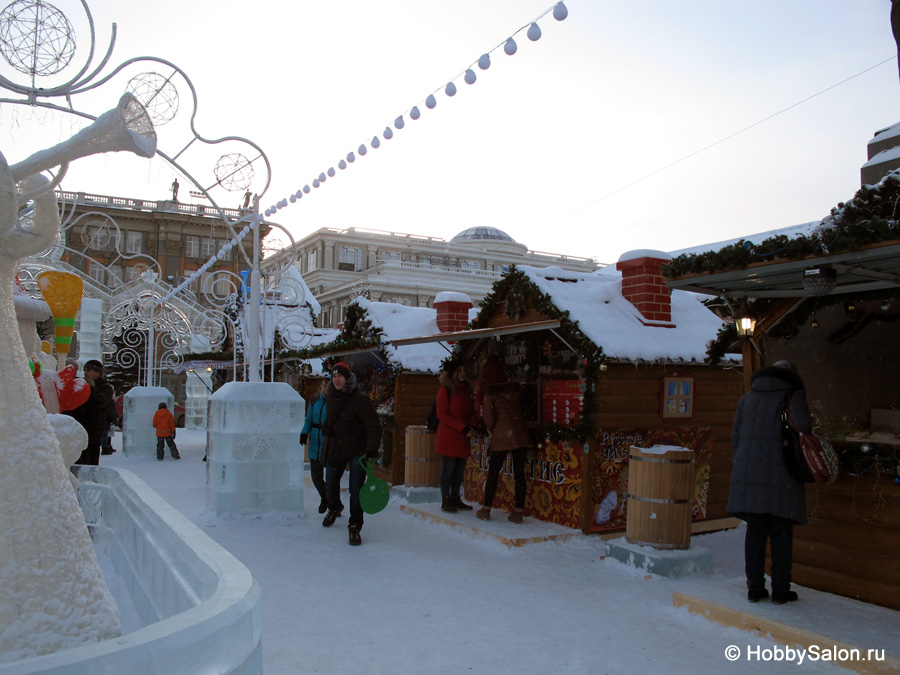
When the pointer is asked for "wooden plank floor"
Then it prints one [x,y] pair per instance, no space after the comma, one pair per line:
[805,623]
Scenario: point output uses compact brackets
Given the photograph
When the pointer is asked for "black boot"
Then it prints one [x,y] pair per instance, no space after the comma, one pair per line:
[781,597]
[460,504]
[323,505]
[448,505]
[355,539]
[330,517]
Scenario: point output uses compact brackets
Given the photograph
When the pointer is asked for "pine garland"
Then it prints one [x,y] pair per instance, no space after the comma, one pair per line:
[519,294]
[870,217]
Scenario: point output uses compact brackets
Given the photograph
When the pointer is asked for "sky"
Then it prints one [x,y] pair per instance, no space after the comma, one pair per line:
[445,596]
[572,145]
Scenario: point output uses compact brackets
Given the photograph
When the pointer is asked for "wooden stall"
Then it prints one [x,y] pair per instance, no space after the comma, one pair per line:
[589,397]
[843,336]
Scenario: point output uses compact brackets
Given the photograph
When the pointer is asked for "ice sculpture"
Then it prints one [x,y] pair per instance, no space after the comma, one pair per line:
[52,594]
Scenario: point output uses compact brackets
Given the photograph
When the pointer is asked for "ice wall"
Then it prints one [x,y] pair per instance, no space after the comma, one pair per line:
[139,406]
[255,461]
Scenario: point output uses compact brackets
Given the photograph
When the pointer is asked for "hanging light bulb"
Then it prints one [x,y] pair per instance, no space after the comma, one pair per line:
[470,76]
[430,102]
[362,150]
[414,113]
[450,89]
[321,177]
[351,157]
[331,172]
[560,12]
[316,182]
[484,61]
[376,143]
[814,323]
[342,165]
[306,189]
[534,32]
[510,47]
[388,133]
[399,123]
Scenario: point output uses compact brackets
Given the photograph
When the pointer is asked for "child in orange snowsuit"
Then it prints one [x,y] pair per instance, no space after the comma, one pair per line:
[164,423]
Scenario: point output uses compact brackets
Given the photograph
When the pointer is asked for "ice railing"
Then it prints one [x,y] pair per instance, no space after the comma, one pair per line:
[200,607]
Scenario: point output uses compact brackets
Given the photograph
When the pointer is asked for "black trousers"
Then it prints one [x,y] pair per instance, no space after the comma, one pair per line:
[495,466]
[317,474]
[763,527]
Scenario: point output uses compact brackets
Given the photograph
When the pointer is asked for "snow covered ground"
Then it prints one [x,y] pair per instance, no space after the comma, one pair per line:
[426,597]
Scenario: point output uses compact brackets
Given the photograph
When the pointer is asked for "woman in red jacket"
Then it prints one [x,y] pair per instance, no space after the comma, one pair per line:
[456,413]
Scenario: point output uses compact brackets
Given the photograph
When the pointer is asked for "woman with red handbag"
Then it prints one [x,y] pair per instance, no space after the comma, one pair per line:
[763,493]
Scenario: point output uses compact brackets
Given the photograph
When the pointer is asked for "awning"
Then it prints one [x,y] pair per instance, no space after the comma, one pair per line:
[871,268]
[478,333]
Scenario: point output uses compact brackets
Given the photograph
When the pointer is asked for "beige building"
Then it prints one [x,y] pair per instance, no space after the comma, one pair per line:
[410,269]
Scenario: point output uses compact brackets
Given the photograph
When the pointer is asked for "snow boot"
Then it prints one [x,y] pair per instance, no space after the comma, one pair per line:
[330,517]
[355,539]
[484,513]
[756,596]
[779,598]
[515,516]
[448,505]
[460,504]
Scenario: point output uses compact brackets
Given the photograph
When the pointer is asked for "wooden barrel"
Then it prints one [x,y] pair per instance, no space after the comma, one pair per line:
[423,467]
[660,488]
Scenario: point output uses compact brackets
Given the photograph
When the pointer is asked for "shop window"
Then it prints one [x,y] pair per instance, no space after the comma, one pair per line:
[678,397]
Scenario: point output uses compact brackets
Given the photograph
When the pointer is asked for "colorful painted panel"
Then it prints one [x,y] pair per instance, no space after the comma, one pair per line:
[554,476]
[609,492]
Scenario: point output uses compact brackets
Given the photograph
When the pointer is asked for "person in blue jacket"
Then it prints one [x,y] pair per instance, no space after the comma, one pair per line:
[311,437]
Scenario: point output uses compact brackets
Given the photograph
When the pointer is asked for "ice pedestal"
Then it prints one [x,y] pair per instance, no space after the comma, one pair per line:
[255,461]
[197,389]
[139,406]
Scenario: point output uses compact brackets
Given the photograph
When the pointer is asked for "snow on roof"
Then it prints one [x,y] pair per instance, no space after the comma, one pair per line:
[886,133]
[792,232]
[644,253]
[884,156]
[452,296]
[399,321]
[610,321]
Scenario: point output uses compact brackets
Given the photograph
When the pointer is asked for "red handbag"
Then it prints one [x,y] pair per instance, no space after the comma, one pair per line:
[819,460]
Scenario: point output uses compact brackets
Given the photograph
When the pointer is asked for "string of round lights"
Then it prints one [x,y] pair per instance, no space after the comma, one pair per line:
[509,46]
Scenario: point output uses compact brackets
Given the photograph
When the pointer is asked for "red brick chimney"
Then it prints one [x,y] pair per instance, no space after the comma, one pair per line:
[644,287]
[452,311]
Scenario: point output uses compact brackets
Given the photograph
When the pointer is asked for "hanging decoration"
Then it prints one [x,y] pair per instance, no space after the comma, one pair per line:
[237,169]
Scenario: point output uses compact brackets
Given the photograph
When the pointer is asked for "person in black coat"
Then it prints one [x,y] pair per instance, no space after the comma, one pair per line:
[352,429]
[762,492]
[92,414]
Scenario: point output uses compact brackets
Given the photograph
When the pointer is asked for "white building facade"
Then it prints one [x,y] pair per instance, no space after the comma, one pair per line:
[341,264]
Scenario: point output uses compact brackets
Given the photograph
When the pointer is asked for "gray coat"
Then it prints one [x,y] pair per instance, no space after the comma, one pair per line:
[759,481]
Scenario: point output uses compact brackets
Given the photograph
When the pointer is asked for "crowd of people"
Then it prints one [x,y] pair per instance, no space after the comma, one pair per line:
[342,427]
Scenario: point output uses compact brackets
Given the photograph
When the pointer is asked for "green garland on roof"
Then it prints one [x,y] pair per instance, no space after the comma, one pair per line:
[872,216]
[357,333]
[519,294]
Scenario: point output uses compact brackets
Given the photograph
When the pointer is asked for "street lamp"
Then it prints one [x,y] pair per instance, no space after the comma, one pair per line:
[745,326]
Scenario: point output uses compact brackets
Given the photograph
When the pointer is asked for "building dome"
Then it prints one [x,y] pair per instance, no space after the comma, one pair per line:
[482,234]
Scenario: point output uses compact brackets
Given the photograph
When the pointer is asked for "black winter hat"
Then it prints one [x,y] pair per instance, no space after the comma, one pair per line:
[341,368]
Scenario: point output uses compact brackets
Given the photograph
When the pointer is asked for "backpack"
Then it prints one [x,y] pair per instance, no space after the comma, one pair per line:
[432,421]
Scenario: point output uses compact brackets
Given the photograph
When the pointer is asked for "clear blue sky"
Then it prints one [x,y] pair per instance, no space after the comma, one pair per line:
[615,92]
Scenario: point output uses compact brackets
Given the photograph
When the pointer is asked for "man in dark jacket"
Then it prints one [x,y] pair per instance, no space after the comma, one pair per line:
[92,414]
[762,491]
[352,430]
